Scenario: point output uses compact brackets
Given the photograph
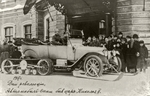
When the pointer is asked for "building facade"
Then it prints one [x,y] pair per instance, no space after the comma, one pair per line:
[13,24]
[44,23]
[133,16]
[36,24]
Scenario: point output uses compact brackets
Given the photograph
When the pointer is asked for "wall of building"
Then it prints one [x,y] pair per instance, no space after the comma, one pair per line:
[57,22]
[132,19]
[11,14]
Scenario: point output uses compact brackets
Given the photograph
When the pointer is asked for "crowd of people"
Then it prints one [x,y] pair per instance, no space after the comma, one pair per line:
[132,51]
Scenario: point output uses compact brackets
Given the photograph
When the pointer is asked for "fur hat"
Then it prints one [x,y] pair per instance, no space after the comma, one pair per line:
[141,41]
[135,36]
[120,33]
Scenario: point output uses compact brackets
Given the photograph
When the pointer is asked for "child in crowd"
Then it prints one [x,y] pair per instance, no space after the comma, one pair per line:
[142,56]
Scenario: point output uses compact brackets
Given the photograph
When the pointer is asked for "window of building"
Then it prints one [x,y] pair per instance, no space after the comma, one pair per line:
[9,33]
[28,33]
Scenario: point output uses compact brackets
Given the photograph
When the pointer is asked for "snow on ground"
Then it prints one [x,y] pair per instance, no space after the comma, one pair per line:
[129,85]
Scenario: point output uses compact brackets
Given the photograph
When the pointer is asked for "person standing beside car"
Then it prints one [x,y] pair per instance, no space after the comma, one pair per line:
[11,48]
[123,54]
[142,56]
[16,53]
[132,50]
[4,51]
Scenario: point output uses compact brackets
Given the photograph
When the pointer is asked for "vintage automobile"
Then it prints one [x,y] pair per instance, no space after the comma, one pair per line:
[43,59]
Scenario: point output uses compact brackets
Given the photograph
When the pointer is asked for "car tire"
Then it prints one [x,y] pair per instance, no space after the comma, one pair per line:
[97,66]
[45,67]
[117,66]
[7,63]
[120,64]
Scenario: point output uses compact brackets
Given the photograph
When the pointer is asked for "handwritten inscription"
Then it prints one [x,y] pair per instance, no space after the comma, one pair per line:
[80,90]
[26,83]
[18,85]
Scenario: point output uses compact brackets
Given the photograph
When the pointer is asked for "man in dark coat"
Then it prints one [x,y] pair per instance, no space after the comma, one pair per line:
[133,48]
[109,44]
[4,51]
[11,48]
[123,54]
[16,53]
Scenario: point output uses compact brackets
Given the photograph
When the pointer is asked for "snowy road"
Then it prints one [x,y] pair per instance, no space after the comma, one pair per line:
[65,84]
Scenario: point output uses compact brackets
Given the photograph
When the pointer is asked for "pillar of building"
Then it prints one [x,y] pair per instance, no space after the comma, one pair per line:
[132,19]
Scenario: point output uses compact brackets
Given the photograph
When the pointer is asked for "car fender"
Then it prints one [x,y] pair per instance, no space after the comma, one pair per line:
[30,53]
[82,58]
[103,58]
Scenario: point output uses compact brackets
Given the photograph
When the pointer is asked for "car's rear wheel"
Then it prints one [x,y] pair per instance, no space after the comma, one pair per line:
[45,67]
[7,66]
[93,65]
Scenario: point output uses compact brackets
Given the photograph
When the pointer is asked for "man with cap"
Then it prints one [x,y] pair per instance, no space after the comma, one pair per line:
[133,49]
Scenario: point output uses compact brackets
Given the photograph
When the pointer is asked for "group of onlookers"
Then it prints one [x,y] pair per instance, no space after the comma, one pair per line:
[133,52]
[8,50]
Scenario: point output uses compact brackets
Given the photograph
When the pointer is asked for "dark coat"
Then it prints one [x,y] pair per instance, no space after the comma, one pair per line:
[57,40]
[16,54]
[11,50]
[141,62]
[131,58]
[143,52]
[4,52]
[109,45]
[124,51]
[133,47]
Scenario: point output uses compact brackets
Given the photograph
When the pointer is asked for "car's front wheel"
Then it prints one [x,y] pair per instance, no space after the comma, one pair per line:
[116,63]
[93,65]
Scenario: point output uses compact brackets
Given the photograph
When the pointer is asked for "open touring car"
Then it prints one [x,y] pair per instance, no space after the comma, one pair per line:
[44,59]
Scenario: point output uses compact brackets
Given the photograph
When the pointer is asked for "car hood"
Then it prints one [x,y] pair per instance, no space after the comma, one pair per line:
[87,49]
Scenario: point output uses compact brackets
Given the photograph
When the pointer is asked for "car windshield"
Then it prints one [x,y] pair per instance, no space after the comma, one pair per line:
[75,34]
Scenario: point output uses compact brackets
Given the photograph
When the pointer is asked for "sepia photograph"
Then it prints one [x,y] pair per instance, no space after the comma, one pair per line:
[74,47]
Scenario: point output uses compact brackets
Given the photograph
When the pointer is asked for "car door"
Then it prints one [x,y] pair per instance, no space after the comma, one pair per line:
[57,52]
